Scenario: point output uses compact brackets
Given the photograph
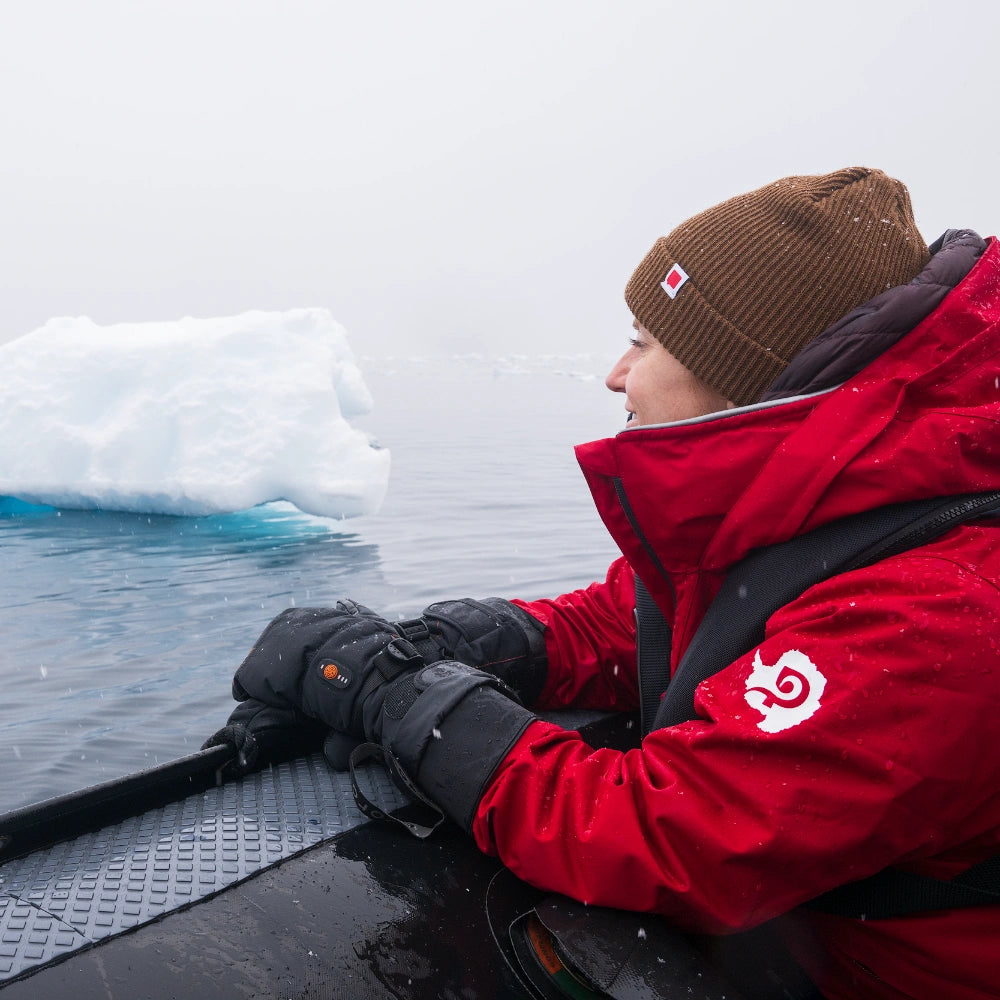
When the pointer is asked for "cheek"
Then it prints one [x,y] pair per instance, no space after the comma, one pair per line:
[634,382]
[663,383]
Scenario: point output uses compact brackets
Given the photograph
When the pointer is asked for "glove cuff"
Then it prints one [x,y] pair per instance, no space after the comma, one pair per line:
[485,725]
[451,730]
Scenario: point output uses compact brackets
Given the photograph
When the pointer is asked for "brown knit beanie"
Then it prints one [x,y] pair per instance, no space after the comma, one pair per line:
[735,292]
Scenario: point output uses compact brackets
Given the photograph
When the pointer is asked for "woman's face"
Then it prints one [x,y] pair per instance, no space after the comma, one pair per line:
[658,388]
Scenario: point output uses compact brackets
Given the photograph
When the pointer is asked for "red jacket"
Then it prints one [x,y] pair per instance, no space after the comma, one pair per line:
[760,806]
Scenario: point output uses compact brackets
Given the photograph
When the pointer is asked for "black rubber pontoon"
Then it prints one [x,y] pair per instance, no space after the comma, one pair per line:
[276,885]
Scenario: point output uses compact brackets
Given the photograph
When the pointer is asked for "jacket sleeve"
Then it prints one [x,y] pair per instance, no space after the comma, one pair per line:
[590,644]
[771,798]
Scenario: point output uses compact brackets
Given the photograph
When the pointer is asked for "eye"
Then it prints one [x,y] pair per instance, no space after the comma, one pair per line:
[635,342]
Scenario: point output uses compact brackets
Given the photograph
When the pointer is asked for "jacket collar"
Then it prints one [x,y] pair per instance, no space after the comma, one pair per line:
[865,333]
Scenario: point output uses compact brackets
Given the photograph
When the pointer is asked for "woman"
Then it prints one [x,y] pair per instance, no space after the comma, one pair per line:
[799,357]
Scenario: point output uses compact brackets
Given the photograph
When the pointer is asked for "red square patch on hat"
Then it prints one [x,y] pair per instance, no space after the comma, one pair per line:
[676,277]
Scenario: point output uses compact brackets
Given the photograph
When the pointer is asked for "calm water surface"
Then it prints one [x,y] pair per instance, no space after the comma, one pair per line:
[122,631]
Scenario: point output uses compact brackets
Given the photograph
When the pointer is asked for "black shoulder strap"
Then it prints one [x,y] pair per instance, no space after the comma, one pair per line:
[895,893]
[652,654]
[766,580]
[769,578]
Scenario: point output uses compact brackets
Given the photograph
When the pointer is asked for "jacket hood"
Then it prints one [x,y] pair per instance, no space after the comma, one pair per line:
[918,421]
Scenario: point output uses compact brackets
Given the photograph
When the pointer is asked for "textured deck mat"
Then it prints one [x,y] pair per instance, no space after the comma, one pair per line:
[78,892]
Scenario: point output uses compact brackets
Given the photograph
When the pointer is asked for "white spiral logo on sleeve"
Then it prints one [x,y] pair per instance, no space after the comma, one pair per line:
[787,693]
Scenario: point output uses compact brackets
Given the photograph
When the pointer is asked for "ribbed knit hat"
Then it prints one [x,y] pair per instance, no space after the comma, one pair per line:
[736,291]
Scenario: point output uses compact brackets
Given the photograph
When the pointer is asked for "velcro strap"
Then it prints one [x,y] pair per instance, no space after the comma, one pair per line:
[399,697]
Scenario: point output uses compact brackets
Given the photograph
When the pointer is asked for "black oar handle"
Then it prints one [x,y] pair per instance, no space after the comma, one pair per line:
[65,816]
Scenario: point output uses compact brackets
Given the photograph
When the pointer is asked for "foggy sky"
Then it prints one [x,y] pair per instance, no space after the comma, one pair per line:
[449,175]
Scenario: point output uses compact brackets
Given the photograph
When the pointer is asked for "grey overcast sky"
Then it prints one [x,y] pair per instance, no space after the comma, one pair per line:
[449,175]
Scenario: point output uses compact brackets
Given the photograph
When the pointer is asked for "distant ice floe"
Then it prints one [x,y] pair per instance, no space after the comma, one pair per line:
[193,417]
[587,367]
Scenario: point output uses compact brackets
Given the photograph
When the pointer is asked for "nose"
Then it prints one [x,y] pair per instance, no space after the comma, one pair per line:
[615,380]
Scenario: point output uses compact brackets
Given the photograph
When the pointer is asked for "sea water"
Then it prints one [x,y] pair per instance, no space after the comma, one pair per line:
[121,631]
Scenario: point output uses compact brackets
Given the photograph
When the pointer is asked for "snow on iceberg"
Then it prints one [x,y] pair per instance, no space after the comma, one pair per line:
[198,416]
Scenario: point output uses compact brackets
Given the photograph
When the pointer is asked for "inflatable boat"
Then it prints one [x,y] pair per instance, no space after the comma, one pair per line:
[174,883]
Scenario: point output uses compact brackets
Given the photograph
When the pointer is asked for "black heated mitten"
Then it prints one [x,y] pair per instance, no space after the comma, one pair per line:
[325,662]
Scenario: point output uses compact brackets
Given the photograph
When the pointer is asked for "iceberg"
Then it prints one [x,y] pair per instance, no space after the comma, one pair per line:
[193,417]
